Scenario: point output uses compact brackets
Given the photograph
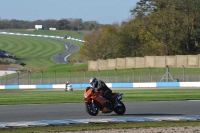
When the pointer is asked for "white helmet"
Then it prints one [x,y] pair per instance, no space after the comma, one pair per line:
[93,81]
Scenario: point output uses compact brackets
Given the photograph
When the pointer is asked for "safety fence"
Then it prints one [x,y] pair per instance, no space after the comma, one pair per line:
[111,76]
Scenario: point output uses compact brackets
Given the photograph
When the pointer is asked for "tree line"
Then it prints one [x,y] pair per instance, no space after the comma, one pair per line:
[157,27]
[62,24]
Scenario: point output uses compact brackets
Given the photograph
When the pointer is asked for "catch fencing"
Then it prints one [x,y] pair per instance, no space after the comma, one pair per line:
[111,76]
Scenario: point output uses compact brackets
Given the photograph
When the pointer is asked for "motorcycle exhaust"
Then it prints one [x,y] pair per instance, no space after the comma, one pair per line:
[93,107]
[119,97]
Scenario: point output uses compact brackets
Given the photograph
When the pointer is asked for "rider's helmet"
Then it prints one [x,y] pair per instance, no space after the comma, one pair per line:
[93,81]
[67,82]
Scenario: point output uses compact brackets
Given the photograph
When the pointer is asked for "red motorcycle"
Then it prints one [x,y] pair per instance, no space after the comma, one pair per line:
[95,102]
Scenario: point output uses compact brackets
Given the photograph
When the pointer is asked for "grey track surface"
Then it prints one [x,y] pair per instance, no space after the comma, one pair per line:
[70,48]
[35,112]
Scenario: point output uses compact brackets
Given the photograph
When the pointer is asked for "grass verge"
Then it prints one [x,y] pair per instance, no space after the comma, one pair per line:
[12,97]
[99,126]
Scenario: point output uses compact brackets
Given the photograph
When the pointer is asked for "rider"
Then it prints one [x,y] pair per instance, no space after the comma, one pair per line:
[67,82]
[68,86]
[99,85]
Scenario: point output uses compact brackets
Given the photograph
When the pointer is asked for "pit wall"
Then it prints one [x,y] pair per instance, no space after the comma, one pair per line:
[110,85]
[177,61]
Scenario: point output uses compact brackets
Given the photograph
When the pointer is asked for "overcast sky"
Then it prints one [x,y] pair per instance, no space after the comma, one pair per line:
[102,11]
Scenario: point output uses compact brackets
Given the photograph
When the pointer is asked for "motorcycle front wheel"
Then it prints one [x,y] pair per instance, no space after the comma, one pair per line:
[120,110]
[91,110]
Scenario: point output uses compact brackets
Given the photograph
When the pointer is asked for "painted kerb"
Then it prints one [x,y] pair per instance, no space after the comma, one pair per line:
[111,85]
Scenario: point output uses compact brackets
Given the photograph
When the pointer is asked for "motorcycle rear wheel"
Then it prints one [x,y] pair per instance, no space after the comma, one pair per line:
[89,110]
[120,110]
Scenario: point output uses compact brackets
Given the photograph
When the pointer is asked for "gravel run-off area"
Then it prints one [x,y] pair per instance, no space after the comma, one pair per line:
[187,129]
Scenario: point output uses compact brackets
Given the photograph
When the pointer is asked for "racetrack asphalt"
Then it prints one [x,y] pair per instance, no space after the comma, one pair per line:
[70,48]
[36,112]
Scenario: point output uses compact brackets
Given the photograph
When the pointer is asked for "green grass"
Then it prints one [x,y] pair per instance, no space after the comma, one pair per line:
[33,51]
[65,67]
[36,51]
[162,95]
[40,97]
[100,126]
[48,32]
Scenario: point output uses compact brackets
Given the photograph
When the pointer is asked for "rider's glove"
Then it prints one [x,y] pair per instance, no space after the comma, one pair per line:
[94,90]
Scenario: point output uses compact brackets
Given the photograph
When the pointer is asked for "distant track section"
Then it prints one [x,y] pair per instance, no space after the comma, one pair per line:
[47,36]
[60,58]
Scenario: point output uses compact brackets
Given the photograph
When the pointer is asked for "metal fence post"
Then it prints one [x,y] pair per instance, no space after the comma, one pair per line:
[150,74]
[124,75]
[17,77]
[29,78]
[156,75]
[183,73]
[6,78]
[84,76]
[55,76]
[116,75]
[42,77]
[133,74]
[99,74]
[167,70]
[69,76]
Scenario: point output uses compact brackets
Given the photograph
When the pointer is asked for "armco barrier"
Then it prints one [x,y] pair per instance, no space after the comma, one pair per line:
[111,85]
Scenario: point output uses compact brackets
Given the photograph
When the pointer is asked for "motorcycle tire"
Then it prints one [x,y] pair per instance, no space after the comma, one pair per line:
[120,110]
[88,108]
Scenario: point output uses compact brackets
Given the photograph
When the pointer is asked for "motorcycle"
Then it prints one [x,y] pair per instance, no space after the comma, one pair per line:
[68,87]
[95,102]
